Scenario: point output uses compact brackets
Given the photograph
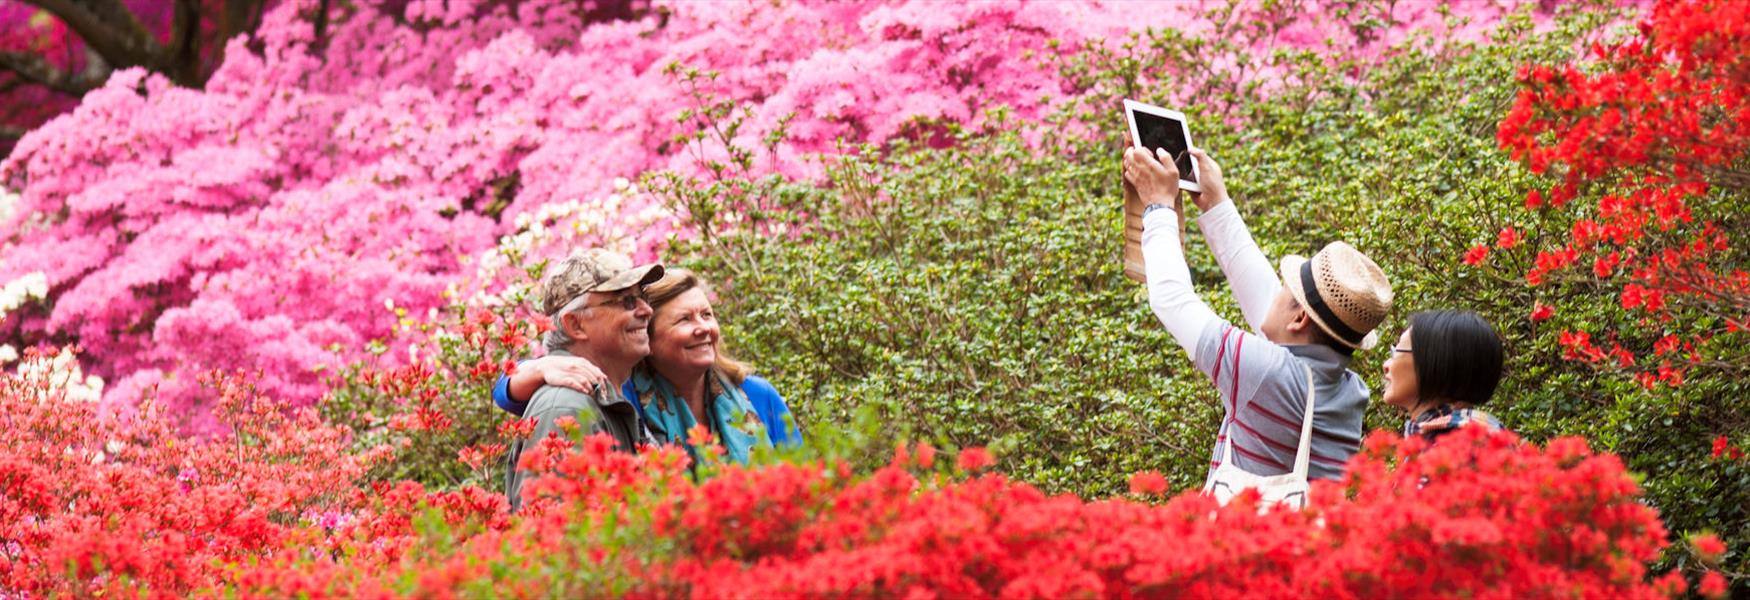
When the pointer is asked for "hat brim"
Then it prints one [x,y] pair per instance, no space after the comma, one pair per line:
[643,275]
[1290,271]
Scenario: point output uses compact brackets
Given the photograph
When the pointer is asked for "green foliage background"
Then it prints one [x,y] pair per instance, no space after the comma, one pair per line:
[973,295]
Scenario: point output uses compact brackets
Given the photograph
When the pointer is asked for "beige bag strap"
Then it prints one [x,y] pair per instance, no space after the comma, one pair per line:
[1303,454]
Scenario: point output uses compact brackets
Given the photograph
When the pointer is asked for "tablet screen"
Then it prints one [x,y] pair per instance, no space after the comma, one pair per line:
[1157,131]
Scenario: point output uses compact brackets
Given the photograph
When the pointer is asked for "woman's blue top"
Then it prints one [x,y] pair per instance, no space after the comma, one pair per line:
[765,399]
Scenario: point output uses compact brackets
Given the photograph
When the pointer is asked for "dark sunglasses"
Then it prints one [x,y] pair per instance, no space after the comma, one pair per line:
[628,299]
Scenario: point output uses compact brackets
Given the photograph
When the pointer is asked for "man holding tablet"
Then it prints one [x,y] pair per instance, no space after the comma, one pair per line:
[1305,324]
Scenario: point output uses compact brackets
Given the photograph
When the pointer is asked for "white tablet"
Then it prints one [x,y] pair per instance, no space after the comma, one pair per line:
[1153,127]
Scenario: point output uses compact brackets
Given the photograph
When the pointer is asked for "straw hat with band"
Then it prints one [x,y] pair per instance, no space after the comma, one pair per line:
[1343,291]
[592,270]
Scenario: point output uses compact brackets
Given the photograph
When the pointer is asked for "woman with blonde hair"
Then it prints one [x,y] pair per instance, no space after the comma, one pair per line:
[688,379]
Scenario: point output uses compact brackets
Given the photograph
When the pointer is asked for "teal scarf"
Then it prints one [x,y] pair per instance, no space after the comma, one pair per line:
[729,412]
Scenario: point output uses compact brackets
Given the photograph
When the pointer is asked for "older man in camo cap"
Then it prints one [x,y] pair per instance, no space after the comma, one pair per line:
[596,300]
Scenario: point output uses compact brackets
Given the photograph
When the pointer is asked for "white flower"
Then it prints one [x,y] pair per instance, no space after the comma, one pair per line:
[36,285]
[8,204]
[15,293]
[621,183]
[8,353]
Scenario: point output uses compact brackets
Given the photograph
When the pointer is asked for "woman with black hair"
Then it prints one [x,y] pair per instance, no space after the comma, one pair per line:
[1444,366]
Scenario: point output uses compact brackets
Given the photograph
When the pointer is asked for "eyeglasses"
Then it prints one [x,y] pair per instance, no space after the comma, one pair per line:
[1396,350]
[627,300]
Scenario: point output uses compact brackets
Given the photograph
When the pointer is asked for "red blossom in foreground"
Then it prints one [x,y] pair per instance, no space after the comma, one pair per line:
[97,505]
[1713,585]
[102,507]
[1472,515]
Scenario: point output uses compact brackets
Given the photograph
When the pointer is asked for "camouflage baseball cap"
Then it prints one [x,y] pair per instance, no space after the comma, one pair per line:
[592,270]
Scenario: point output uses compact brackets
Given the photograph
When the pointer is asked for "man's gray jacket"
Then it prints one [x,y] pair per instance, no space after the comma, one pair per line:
[604,410]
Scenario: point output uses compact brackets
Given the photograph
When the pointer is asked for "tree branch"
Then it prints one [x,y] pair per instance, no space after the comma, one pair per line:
[109,28]
[237,17]
[182,60]
[35,69]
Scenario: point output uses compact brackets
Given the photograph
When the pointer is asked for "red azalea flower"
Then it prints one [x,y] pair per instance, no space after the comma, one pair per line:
[1508,238]
[1713,585]
[1709,546]
[1476,255]
[1148,483]
[975,459]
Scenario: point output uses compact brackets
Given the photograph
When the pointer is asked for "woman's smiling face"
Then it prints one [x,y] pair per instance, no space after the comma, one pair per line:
[684,332]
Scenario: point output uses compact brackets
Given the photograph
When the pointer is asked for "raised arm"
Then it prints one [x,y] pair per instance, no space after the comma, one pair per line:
[1170,294]
[565,371]
[1249,275]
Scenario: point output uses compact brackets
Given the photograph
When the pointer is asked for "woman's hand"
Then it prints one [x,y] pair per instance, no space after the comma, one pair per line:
[565,371]
[1154,175]
[574,372]
[1209,178]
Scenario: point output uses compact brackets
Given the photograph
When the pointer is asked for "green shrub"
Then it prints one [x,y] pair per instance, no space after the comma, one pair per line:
[973,294]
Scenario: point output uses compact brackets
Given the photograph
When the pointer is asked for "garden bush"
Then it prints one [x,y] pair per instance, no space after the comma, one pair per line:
[271,510]
[907,292]
[1403,522]
[941,268]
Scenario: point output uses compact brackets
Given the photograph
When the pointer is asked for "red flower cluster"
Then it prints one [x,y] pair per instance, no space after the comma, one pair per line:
[94,505]
[1654,125]
[1723,448]
[99,505]
[1478,514]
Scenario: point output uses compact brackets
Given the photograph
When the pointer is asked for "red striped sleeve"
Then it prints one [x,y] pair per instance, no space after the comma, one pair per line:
[1220,353]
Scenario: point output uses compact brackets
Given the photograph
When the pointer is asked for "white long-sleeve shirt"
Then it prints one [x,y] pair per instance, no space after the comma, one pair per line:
[1254,283]
[1262,384]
